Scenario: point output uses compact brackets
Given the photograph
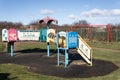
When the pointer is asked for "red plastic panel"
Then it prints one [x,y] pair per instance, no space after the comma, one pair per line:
[12,35]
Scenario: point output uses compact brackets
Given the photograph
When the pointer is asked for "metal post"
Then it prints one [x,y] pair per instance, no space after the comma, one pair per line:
[116,34]
[12,48]
[66,58]
[8,47]
[109,33]
[48,49]
[48,44]
[58,58]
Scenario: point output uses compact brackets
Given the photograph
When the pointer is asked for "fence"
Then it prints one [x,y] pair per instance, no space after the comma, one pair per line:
[96,32]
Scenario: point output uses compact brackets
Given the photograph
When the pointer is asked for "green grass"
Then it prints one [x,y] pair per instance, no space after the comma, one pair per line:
[18,72]
[107,55]
[41,45]
[98,44]
[2,47]
[0,38]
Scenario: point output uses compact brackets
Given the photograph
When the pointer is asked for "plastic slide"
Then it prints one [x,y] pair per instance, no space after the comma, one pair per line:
[84,50]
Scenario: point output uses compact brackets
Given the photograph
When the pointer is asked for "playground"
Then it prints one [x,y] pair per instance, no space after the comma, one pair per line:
[36,61]
[63,54]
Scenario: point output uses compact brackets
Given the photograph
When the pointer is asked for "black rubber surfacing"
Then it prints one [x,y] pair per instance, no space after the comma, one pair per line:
[41,64]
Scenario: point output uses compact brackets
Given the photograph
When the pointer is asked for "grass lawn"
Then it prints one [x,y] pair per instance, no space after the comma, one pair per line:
[0,37]
[98,44]
[2,47]
[20,72]
[40,45]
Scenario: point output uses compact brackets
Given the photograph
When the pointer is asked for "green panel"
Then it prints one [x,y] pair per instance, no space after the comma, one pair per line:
[43,33]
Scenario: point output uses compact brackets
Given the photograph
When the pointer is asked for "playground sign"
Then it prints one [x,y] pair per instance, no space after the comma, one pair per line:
[12,35]
[4,35]
[51,35]
[72,40]
[84,48]
[28,35]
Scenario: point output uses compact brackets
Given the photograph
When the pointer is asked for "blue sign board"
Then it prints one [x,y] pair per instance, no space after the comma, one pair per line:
[72,40]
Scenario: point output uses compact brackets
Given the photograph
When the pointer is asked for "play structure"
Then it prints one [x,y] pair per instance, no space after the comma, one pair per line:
[63,40]
[71,40]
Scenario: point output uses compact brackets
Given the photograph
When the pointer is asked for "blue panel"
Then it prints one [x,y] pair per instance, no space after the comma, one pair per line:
[43,35]
[72,40]
[44,32]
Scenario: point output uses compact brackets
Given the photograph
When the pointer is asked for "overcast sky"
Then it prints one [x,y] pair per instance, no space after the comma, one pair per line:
[65,11]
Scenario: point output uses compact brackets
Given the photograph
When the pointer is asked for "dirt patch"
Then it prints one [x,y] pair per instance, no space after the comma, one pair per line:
[40,63]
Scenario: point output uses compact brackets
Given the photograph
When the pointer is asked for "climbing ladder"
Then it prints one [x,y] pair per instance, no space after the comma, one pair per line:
[65,56]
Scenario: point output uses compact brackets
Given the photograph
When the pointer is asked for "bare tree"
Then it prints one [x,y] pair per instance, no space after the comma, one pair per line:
[81,22]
